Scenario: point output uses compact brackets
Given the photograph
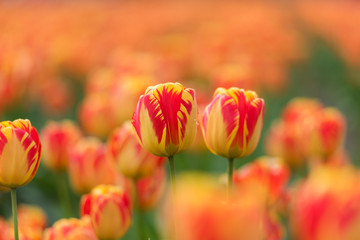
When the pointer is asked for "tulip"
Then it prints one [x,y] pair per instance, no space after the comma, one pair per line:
[268,176]
[109,208]
[129,157]
[20,151]
[57,140]
[151,188]
[328,134]
[232,123]
[326,205]
[89,166]
[71,229]
[165,121]
[201,212]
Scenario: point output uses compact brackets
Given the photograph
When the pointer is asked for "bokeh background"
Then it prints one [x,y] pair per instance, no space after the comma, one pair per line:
[89,61]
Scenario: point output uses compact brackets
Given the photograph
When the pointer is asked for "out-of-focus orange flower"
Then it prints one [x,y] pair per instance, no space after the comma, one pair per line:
[20,151]
[57,140]
[109,208]
[151,188]
[31,216]
[266,175]
[71,229]
[165,119]
[129,156]
[326,205]
[232,122]
[202,212]
[89,166]
[306,132]
[4,229]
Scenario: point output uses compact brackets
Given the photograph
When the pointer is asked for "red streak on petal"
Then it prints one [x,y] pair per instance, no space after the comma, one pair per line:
[253,114]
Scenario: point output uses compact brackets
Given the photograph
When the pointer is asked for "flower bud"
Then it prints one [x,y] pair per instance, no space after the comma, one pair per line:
[232,122]
[109,208]
[130,158]
[57,139]
[165,119]
[89,165]
[20,151]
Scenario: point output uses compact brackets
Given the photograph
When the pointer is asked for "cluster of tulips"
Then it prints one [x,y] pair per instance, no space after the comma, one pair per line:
[127,174]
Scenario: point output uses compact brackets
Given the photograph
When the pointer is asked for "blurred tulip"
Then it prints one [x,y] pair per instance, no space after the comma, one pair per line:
[109,208]
[307,132]
[20,151]
[57,139]
[328,134]
[326,205]
[71,229]
[165,119]
[232,122]
[4,230]
[89,166]
[31,216]
[202,212]
[151,188]
[129,157]
[268,176]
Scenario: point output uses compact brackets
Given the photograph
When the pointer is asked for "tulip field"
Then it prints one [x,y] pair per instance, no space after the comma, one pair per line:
[179,120]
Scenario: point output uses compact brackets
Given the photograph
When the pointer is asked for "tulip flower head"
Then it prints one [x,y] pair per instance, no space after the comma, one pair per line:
[232,122]
[109,208]
[57,140]
[20,151]
[165,119]
[129,157]
[71,229]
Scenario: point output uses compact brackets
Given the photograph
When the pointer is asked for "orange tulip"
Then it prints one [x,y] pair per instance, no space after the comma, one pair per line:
[109,208]
[130,158]
[232,122]
[20,151]
[89,166]
[165,119]
[57,140]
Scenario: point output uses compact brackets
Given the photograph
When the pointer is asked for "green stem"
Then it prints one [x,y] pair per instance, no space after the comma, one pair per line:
[140,215]
[63,192]
[173,188]
[14,212]
[230,175]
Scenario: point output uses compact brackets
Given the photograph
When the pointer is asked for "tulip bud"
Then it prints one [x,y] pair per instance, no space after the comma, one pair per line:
[129,157]
[151,188]
[232,122]
[57,140]
[165,119]
[71,229]
[109,208]
[20,151]
[89,166]
[31,216]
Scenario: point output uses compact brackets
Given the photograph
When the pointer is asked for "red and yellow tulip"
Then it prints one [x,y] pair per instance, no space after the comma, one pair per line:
[165,119]
[151,188]
[109,208]
[232,122]
[89,166]
[130,158]
[20,151]
[57,140]
[71,229]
